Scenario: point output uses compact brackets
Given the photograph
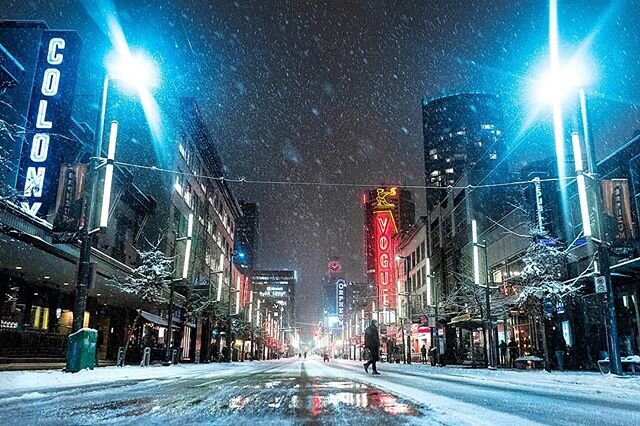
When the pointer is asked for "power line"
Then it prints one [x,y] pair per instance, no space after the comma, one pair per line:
[329,184]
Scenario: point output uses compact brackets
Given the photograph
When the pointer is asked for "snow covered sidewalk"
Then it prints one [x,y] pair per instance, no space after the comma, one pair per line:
[572,381]
[12,382]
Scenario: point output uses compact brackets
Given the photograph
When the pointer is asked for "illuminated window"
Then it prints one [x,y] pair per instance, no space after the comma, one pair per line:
[435,173]
[177,185]
[487,126]
[478,144]
[449,171]
[493,156]
[461,133]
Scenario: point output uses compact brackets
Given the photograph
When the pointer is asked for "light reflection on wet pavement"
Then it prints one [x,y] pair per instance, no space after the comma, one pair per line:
[268,397]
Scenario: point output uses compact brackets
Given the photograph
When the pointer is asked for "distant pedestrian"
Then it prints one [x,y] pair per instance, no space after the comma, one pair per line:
[423,354]
[305,354]
[513,352]
[372,343]
[503,353]
[560,348]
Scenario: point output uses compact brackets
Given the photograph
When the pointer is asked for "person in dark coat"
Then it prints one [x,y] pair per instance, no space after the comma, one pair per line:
[423,353]
[560,347]
[503,353]
[513,352]
[372,343]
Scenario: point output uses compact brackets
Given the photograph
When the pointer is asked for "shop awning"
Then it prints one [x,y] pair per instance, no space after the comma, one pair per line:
[465,321]
[158,320]
[154,318]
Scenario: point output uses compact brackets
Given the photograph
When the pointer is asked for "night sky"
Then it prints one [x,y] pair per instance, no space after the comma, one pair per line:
[331,91]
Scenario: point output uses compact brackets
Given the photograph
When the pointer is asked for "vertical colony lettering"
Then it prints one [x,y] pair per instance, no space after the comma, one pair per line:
[48,120]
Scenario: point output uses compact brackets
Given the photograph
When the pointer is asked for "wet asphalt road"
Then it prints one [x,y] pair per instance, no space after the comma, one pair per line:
[279,392]
[310,392]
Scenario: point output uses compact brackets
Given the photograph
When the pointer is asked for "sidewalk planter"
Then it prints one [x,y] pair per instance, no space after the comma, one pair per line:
[81,350]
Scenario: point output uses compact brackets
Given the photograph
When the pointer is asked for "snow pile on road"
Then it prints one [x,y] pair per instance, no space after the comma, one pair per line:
[22,381]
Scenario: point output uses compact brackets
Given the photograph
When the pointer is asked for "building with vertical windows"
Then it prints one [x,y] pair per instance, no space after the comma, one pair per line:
[274,294]
[462,134]
[198,191]
[246,238]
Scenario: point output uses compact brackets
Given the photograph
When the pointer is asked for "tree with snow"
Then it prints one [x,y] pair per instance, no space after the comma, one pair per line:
[542,281]
[148,283]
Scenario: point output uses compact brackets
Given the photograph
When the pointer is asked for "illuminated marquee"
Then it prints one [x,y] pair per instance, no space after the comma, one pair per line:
[48,120]
[384,230]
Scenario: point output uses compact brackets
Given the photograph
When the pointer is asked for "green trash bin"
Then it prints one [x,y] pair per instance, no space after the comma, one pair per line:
[81,350]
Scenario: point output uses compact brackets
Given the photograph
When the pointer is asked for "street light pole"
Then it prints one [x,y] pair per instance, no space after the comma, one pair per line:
[492,340]
[602,246]
[408,288]
[84,261]
[476,277]
[228,338]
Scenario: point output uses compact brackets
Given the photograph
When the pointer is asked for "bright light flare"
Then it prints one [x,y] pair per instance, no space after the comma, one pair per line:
[134,69]
[558,85]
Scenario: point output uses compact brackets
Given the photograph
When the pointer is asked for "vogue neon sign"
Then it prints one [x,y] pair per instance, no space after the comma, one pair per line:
[48,119]
[385,229]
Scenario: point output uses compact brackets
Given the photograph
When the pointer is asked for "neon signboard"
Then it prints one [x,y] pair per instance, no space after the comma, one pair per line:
[48,120]
[384,231]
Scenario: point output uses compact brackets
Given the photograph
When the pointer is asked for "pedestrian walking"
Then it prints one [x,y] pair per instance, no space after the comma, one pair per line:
[503,353]
[513,352]
[423,353]
[372,343]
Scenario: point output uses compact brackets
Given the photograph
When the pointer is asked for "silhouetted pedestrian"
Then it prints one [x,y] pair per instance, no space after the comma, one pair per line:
[372,343]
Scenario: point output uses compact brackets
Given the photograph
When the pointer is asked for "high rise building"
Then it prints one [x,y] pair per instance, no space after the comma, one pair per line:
[276,289]
[462,134]
[246,238]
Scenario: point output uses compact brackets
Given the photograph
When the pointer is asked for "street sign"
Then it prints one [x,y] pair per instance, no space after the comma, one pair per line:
[601,284]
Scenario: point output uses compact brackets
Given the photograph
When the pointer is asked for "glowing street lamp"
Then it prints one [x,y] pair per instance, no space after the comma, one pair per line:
[187,253]
[570,81]
[582,187]
[127,70]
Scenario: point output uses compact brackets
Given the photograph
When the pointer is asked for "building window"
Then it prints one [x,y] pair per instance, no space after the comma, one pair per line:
[449,170]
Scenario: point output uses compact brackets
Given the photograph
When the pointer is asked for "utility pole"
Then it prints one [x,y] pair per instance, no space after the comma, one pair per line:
[228,338]
[84,261]
[492,341]
[603,245]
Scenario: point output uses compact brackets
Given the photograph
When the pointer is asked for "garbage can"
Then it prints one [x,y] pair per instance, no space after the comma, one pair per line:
[81,350]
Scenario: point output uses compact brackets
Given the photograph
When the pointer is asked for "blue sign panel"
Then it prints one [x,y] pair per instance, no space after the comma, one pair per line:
[48,120]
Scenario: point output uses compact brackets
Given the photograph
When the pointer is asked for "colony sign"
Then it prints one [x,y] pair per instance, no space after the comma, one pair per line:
[48,120]
[385,229]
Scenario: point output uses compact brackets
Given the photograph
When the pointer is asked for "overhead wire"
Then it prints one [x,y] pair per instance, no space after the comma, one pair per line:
[242,180]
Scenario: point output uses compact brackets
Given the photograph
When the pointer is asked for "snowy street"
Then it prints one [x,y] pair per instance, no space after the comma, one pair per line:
[299,392]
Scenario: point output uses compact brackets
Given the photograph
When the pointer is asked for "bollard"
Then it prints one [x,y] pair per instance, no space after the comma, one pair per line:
[146,357]
[174,356]
[120,360]
[197,357]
